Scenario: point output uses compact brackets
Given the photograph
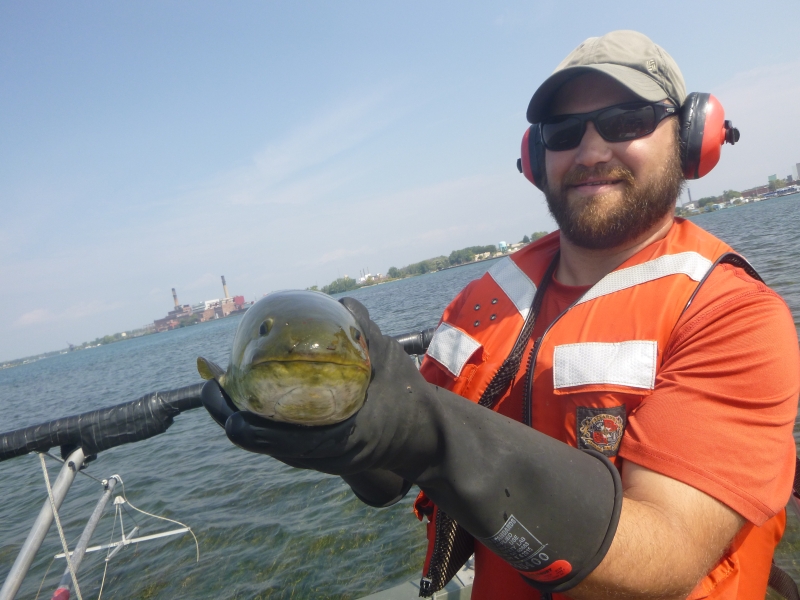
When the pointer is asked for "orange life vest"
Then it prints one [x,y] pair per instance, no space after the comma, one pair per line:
[595,363]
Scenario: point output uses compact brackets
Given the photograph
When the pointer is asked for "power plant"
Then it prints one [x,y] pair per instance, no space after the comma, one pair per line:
[185,314]
[225,287]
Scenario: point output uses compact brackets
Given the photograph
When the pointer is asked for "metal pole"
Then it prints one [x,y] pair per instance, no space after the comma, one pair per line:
[125,538]
[41,526]
[65,585]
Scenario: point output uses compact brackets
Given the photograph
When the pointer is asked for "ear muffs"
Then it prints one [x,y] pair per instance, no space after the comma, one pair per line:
[532,162]
[703,131]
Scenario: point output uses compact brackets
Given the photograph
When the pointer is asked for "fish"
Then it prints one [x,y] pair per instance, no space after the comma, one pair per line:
[298,357]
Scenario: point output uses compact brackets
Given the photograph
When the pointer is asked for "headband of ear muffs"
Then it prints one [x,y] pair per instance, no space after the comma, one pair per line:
[703,131]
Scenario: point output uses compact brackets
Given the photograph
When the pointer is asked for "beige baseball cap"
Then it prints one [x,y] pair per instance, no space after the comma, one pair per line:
[629,57]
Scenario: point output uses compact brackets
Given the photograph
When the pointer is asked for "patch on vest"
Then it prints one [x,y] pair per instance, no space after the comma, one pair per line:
[600,429]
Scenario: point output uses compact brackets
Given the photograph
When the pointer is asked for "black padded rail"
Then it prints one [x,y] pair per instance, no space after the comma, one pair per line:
[104,428]
[417,342]
[129,422]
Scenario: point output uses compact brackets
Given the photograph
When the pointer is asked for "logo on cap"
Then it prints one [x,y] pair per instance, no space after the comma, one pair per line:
[651,65]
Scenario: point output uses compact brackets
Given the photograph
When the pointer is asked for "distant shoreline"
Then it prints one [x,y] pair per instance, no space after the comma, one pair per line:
[366,285]
[466,264]
[476,261]
[696,212]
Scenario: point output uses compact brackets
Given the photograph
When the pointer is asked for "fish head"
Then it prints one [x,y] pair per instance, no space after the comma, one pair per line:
[298,357]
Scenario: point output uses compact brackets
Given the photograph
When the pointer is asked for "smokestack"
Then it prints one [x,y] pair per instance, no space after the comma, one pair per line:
[225,287]
[175,297]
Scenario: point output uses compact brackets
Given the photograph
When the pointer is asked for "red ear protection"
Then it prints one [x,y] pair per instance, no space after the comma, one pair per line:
[532,162]
[524,163]
[703,130]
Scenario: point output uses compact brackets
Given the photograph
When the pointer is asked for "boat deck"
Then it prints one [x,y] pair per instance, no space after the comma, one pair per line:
[460,588]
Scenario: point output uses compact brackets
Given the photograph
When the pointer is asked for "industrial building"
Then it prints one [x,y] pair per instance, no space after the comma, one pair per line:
[203,311]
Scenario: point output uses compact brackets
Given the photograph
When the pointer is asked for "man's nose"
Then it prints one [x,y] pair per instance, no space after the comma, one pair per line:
[593,149]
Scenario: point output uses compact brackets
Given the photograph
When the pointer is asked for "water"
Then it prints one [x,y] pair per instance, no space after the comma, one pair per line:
[766,233]
[265,530]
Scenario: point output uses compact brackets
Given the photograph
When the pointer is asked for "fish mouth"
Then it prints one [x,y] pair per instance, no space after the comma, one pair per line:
[304,396]
[287,393]
[309,360]
[277,399]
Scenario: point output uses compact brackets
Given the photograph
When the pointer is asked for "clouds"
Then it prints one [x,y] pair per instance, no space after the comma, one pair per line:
[307,207]
[273,216]
[35,317]
[338,254]
[260,203]
[204,281]
[76,312]
[307,177]
[289,147]
[296,168]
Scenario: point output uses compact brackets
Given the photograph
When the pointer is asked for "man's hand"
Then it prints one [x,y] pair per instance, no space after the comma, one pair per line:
[670,536]
[499,479]
[392,431]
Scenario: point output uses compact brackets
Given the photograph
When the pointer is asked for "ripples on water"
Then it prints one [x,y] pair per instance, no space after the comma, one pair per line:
[768,234]
[265,530]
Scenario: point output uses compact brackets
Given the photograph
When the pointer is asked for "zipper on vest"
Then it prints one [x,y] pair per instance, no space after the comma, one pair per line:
[450,541]
[527,406]
[452,547]
[527,401]
[439,555]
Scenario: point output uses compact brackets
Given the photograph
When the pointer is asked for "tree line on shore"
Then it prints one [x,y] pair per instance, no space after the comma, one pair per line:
[727,196]
[732,195]
[706,203]
[429,265]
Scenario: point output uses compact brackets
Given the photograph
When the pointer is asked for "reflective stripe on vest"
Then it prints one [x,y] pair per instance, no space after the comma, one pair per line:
[628,363]
[452,348]
[599,360]
[631,364]
[515,283]
[689,263]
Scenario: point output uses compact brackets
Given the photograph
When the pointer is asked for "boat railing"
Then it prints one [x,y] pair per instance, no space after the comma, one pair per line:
[81,437]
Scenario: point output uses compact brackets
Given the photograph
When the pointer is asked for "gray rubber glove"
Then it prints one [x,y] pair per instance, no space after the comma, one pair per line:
[548,509]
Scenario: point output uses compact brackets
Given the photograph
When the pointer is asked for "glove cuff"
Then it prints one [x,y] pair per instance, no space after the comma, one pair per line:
[548,509]
[575,577]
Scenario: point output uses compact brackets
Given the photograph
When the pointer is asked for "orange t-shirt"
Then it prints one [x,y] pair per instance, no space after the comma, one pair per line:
[720,417]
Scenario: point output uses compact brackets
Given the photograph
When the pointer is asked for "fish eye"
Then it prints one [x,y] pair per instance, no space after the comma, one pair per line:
[355,333]
[266,326]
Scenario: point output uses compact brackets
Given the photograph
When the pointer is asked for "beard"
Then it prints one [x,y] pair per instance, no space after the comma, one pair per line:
[599,222]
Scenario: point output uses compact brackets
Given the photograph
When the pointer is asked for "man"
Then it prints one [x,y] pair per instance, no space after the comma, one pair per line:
[643,397]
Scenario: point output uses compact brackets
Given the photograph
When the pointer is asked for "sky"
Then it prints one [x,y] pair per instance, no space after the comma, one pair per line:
[150,145]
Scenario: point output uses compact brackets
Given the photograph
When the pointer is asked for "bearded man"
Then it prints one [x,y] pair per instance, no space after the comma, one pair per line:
[607,413]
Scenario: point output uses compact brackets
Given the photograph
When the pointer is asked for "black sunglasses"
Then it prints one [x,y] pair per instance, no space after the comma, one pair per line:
[619,123]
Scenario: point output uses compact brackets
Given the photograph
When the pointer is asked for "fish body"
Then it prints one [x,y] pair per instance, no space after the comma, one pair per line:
[297,357]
